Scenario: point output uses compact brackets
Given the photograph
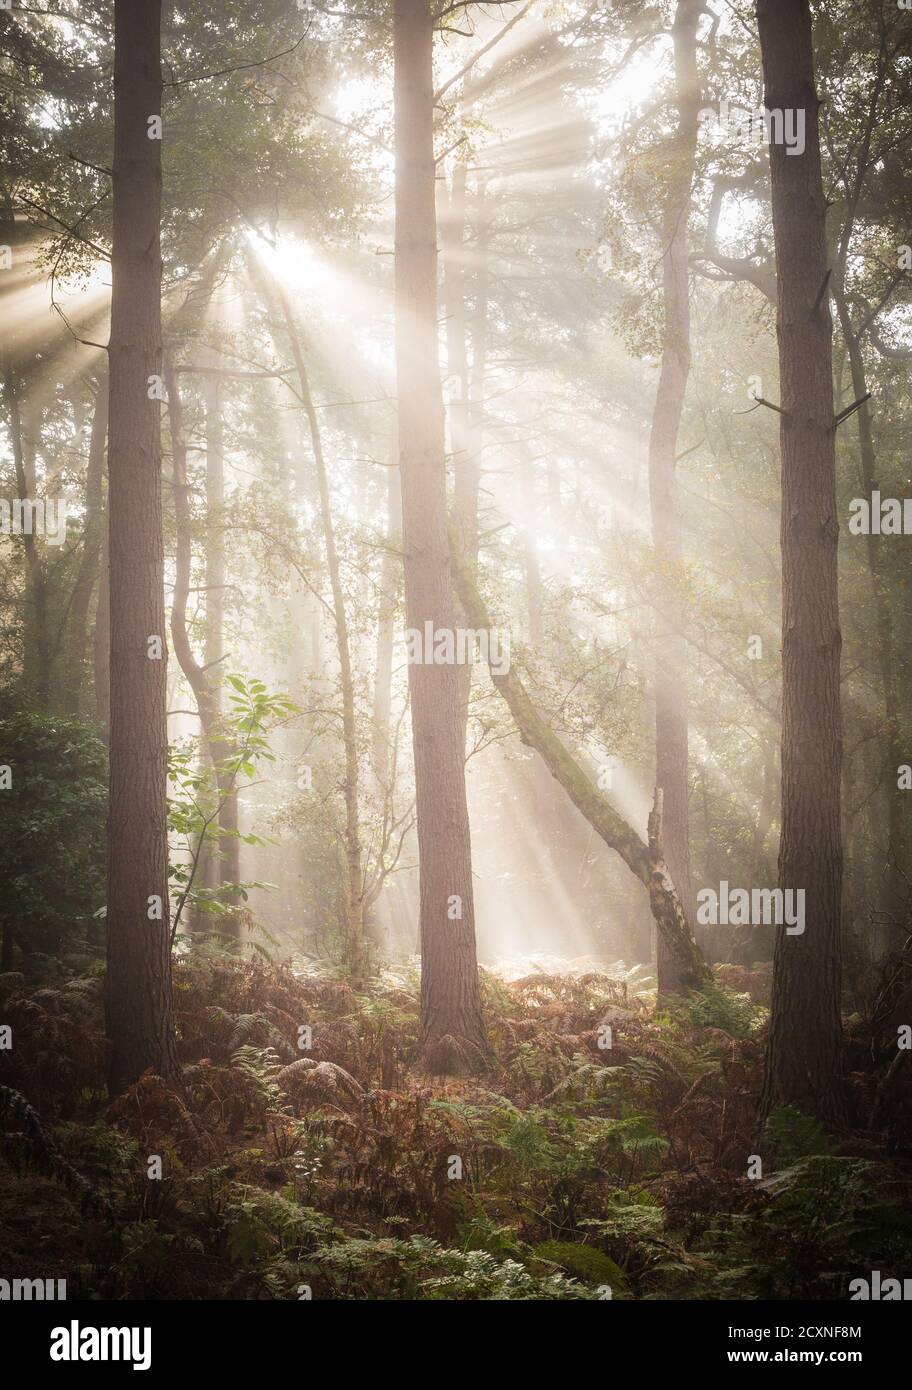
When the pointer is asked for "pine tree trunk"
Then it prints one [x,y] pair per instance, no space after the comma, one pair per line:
[101,641]
[453,1036]
[804,1058]
[138,1000]
[671,657]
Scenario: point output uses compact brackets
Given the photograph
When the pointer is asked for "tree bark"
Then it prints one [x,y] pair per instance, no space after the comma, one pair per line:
[138,1005]
[671,703]
[462,410]
[453,1035]
[101,641]
[804,1056]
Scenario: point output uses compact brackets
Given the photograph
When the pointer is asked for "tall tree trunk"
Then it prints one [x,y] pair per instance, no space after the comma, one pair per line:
[101,641]
[355,944]
[804,1057]
[671,704]
[274,297]
[138,1000]
[461,412]
[453,1035]
[891,887]
[90,561]
[208,869]
[390,589]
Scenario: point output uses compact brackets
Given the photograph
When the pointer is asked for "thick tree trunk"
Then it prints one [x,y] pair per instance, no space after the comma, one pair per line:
[453,1035]
[138,1001]
[90,561]
[671,704]
[804,1059]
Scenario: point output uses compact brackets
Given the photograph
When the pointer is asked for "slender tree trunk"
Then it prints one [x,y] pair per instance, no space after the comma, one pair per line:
[453,1035]
[671,647]
[222,755]
[804,1058]
[390,590]
[36,663]
[215,533]
[91,554]
[208,868]
[355,944]
[139,1022]
[891,889]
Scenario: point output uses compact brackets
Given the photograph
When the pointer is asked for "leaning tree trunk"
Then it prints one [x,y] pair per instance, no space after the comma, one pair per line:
[671,705]
[139,1022]
[644,858]
[453,1035]
[804,1058]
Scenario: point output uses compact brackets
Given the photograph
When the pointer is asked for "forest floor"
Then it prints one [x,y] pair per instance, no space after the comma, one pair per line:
[570,1170]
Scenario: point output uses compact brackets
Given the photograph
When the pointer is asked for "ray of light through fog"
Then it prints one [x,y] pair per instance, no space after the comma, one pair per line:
[540,143]
[455,630]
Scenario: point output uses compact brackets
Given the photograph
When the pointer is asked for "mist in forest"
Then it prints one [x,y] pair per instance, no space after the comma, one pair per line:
[454,647]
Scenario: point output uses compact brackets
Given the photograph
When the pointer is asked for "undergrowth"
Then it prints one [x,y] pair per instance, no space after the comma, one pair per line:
[570,1171]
